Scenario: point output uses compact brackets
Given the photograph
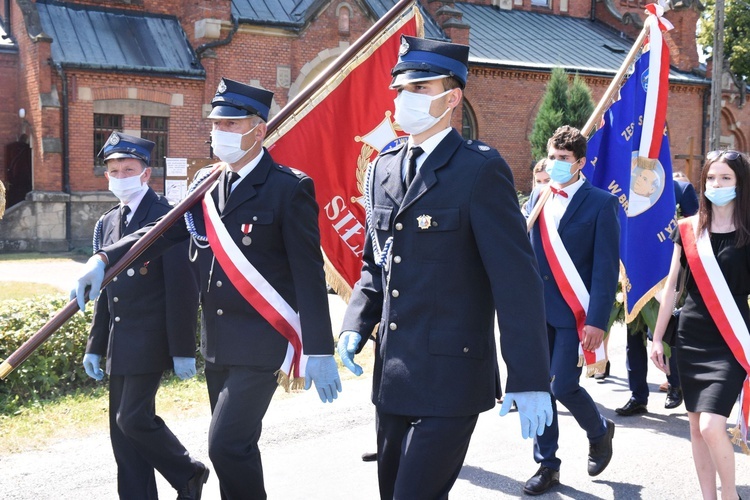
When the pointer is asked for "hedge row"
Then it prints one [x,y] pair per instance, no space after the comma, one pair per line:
[55,367]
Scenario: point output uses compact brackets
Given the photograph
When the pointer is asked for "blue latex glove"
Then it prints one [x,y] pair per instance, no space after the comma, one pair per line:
[184,367]
[92,276]
[323,371]
[534,409]
[91,365]
[346,347]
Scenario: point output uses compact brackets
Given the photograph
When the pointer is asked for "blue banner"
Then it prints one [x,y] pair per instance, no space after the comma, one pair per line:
[643,187]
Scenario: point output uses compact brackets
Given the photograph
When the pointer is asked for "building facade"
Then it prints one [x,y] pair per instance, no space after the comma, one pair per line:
[72,72]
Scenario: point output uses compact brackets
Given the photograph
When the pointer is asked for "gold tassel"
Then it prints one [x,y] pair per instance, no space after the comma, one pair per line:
[597,367]
[736,434]
[283,380]
[337,282]
[580,361]
[298,384]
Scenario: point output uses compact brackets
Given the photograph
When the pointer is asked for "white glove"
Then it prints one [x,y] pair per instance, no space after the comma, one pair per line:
[91,365]
[534,409]
[347,347]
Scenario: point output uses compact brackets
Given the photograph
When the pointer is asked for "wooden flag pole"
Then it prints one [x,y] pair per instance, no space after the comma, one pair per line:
[32,344]
[604,103]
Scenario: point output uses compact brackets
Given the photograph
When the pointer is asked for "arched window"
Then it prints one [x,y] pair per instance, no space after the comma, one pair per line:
[468,122]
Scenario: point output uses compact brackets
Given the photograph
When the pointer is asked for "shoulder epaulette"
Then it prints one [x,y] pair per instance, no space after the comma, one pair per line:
[395,149]
[292,171]
[480,147]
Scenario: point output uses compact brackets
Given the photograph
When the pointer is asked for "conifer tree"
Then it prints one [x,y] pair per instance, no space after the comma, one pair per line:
[552,113]
[580,103]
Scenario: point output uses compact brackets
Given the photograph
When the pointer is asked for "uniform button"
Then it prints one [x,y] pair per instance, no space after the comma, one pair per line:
[393,326]
[395,293]
[114,279]
[466,349]
[397,259]
[399,226]
[117,319]
[219,312]
[116,299]
[255,218]
[131,272]
[218,284]
[434,223]
[546,278]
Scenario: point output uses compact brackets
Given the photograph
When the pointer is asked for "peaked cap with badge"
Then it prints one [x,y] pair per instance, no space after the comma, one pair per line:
[235,100]
[121,145]
[420,60]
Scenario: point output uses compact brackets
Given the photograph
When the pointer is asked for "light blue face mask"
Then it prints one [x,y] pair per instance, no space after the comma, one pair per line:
[721,196]
[559,171]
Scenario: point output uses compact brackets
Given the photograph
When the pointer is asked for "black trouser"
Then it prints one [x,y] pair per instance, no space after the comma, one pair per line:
[239,397]
[141,441]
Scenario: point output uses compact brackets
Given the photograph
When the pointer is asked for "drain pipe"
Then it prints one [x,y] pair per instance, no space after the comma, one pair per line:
[65,154]
[217,43]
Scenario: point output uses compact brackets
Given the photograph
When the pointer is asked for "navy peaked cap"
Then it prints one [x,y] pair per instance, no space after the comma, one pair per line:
[237,100]
[421,60]
[121,145]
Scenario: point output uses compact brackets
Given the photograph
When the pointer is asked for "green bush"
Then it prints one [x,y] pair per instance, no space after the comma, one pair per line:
[52,370]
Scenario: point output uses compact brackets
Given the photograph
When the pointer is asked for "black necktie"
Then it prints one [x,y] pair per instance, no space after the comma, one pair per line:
[231,178]
[411,170]
[124,211]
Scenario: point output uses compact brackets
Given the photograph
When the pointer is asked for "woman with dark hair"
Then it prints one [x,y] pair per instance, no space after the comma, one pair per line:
[713,343]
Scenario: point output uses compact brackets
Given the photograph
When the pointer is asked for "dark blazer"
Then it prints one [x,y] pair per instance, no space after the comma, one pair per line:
[686,198]
[285,248]
[436,350]
[142,320]
[590,231]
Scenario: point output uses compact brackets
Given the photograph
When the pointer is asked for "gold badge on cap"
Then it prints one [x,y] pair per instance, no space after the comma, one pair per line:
[424,221]
[114,139]
[404,47]
[222,87]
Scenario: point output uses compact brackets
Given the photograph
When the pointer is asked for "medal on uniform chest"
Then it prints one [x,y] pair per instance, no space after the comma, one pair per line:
[246,229]
[144,270]
[424,221]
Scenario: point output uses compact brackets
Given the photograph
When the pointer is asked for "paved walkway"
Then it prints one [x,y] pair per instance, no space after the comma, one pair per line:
[312,451]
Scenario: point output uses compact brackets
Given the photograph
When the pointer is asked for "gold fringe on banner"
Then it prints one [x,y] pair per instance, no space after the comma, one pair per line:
[736,434]
[646,163]
[336,281]
[624,282]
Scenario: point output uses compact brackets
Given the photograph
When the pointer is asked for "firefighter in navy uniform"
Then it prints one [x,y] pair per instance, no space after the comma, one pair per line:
[445,249]
[145,322]
[264,220]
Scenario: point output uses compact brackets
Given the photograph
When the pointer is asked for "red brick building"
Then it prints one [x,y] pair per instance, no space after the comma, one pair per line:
[71,72]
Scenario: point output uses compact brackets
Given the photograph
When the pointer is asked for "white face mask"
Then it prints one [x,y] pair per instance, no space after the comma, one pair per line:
[125,189]
[228,145]
[413,111]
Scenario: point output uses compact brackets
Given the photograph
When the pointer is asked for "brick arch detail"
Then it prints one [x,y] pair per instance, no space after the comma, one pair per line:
[140,94]
[319,61]
[734,128]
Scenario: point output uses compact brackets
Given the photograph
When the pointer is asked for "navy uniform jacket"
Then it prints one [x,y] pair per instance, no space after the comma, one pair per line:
[590,231]
[280,204]
[142,321]
[436,350]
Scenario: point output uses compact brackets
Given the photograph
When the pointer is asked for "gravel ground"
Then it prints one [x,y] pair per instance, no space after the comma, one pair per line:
[312,450]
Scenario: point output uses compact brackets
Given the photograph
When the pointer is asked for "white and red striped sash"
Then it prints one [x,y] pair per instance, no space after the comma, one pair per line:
[258,292]
[722,308]
[569,282]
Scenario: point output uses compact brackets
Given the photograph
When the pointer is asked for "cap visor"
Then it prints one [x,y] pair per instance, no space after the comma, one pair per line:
[227,112]
[413,77]
[122,154]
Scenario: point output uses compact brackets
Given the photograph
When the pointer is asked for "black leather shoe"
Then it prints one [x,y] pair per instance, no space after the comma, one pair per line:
[632,407]
[370,456]
[544,479]
[600,452]
[674,398]
[194,487]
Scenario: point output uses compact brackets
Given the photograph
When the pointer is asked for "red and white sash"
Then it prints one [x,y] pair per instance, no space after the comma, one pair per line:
[571,286]
[723,309]
[259,293]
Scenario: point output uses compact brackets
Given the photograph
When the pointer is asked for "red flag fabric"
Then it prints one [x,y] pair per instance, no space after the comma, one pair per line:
[335,134]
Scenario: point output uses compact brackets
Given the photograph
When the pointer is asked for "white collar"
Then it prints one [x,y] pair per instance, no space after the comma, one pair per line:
[429,144]
[249,166]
